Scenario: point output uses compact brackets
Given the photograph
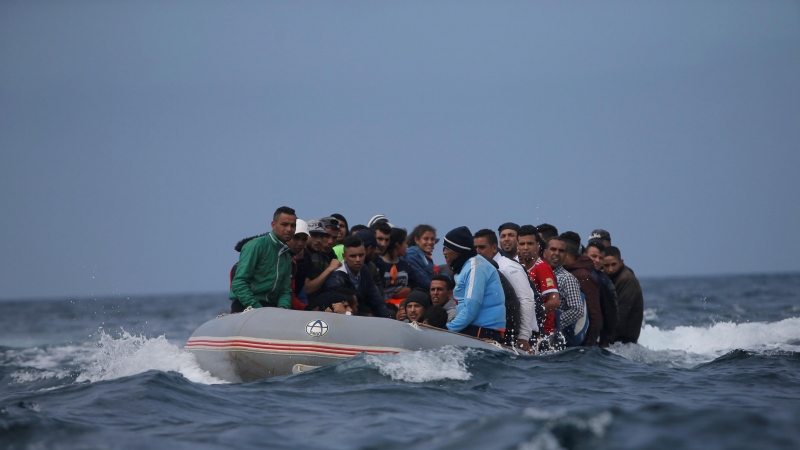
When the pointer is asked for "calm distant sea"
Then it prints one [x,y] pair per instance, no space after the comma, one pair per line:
[718,367]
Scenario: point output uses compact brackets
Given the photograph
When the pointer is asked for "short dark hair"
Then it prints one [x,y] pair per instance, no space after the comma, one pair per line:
[613,251]
[283,210]
[596,244]
[349,293]
[555,238]
[352,242]
[392,308]
[547,231]
[381,226]
[436,316]
[448,281]
[357,228]
[396,237]
[417,233]
[527,230]
[572,241]
[490,235]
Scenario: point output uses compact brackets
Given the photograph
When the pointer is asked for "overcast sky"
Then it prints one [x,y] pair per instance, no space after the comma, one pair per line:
[141,140]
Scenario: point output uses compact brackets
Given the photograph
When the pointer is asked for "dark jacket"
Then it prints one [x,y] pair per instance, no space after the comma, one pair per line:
[608,303]
[367,292]
[582,269]
[631,306]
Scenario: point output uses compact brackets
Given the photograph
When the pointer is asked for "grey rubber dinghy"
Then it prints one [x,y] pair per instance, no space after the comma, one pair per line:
[269,342]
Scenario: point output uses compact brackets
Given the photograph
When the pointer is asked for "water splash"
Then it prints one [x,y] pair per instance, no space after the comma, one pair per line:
[446,363]
[132,354]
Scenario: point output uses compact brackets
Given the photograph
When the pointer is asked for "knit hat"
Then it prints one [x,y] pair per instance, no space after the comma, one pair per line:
[302,227]
[508,226]
[459,240]
[418,295]
[367,237]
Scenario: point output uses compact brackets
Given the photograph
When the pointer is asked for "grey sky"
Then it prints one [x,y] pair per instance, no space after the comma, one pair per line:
[141,140]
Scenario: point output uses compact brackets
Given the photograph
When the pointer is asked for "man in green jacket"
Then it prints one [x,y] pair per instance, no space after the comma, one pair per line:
[264,273]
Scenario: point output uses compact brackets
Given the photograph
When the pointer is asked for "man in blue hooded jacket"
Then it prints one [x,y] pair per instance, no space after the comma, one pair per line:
[479,293]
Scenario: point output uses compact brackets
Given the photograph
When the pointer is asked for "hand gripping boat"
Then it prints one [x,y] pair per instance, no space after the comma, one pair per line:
[269,342]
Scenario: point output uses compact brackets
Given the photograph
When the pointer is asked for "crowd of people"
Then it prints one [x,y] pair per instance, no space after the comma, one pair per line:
[523,286]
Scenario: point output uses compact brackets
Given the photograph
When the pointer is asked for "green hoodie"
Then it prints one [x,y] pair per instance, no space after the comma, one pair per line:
[264,273]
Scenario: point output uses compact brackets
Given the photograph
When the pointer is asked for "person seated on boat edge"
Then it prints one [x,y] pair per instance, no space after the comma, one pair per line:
[486,244]
[607,293]
[413,307]
[581,267]
[508,240]
[421,242]
[264,273]
[436,316]
[371,252]
[344,231]
[340,301]
[571,319]
[393,269]
[629,297]
[543,278]
[296,247]
[354,274]
[442,295]
[478,292]
[317,264]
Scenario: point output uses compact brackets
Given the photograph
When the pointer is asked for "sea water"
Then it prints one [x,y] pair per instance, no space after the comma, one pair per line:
[718,366]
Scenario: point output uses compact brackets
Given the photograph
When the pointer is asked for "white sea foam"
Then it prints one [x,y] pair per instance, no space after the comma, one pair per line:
[131,354]
[689,346]
[446,363]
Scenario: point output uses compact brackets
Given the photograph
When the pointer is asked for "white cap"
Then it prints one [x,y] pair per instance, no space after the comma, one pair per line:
[302,227]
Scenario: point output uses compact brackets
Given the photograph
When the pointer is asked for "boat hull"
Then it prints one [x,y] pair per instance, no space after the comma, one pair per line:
[269,342]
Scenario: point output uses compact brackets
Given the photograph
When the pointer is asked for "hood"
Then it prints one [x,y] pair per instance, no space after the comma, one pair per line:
[583,262]
[241,243]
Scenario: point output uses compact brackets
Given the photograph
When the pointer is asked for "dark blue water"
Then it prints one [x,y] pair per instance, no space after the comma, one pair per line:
[718,367]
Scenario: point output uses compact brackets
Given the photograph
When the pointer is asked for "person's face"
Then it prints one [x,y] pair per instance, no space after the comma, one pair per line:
[315,241]
[354,257]
[555,252]
[508,241]
[370,253]
[401,248]
[340,237]
[426,241]
[449,255]
[329,240]
[284,227]
[298,243]
[439,293]
[383,239]
[483,247]
[528,247]
[597,257]
[611,265]
[414,311]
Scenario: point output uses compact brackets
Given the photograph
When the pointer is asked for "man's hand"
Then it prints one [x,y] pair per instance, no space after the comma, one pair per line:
[335,264]
[523,344]
[402,292]
[339,308]
[401,314]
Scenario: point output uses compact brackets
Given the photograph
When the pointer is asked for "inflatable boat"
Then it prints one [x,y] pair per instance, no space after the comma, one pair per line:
[268,342]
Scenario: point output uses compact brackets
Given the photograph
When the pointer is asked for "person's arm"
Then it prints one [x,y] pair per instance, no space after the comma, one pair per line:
[473,299]
[610,311]
[527,305]
[571,309]
[419,276]
[285,299]
[317,283]
[244,271]
[375,298]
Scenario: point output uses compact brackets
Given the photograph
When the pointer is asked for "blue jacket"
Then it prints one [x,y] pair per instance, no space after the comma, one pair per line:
[421,267]
[367,292]
[480,297]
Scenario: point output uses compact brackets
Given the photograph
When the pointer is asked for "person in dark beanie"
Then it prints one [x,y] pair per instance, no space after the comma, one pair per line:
[508,240]
[479,293]
[415,305]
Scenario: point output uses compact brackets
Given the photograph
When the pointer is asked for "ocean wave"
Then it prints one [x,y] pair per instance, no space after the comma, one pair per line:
[446,363]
